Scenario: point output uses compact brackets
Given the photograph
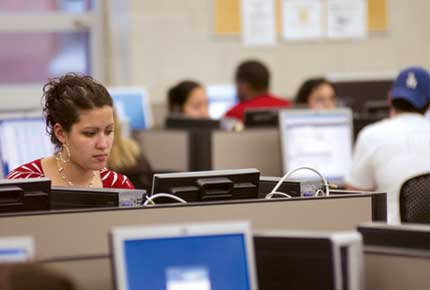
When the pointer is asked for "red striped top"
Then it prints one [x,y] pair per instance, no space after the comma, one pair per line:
[33,169]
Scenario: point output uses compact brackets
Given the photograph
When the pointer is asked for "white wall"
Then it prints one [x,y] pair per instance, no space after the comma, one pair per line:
[174,39]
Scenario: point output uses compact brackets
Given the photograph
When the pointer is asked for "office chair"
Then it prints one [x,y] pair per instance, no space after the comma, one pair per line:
[415,199]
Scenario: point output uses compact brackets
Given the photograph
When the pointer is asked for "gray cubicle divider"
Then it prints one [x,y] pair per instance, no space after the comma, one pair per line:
[180,150]
[166,150]
[76,242]
[252,148]
[396,257]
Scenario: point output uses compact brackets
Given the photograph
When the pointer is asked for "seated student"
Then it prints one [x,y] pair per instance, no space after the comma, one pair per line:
[316,93]
[125,157]
[389,152]
[252,85]
[79,118]
[25,276]
[188,98]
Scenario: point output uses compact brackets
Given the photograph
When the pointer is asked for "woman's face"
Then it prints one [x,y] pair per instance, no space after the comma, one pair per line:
[322,97]
[196,105]
[90,140]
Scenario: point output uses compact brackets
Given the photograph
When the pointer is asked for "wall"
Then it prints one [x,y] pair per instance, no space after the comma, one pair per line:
[172,40]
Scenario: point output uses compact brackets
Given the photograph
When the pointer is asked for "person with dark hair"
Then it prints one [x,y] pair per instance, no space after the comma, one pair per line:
[188,98]
[389,152]
[252,80]
[32,277]
[80,121]
[316,93]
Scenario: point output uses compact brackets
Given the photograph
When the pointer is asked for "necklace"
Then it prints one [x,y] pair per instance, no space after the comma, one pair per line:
[63,176]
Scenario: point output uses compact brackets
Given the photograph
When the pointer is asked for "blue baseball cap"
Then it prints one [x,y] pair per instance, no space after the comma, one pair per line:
[412,85]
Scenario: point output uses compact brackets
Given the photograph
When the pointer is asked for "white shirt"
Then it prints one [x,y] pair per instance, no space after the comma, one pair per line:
[388,153]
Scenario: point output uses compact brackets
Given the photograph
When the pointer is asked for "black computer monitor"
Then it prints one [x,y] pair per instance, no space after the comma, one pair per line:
[79,197]
[357,93]
[187,123]
[261,117]
[308,260]
[24,194]
[208,185]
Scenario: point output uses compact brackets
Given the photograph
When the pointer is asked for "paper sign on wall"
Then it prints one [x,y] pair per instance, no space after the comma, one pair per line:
[347,18]
[301,19]
[258,22]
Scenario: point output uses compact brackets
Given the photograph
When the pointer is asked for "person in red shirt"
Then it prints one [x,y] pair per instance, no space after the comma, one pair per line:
[80,120]
[252,85]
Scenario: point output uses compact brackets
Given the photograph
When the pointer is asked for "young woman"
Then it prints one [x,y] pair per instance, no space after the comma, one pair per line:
[317,93]
[189,99]
[80,120]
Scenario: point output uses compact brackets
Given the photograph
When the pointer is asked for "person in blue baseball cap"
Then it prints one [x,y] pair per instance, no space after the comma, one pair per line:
[389,152]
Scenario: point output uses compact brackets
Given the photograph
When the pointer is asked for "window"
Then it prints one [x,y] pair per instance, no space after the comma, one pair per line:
[47,38]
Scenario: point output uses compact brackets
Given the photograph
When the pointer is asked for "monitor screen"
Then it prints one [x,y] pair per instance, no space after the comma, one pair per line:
[16,249]
[221,99]
[132,105]
[22,139]
[208,185]
[183,257]
[318,139]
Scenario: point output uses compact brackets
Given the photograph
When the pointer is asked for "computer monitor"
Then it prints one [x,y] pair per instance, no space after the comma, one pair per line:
[132,105]
[30,194]
[309,260]
[193,124]
[177,257]
[79,197]
[356,93]
[23,138]
[261,117]
[16,249]
[208,185]
[396,255]
[318,139]
[222,97]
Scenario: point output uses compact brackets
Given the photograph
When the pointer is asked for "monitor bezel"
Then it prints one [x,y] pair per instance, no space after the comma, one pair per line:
[312,113]
[118,235]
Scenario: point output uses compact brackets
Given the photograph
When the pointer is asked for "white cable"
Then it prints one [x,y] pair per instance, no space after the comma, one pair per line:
[324,180]
[277,193]
[155,196]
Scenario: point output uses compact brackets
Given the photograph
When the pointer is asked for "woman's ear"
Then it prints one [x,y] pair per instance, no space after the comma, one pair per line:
[59,133]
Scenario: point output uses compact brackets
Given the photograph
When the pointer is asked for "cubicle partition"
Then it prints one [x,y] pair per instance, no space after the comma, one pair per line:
[396,257]
[180,150]
[76,242]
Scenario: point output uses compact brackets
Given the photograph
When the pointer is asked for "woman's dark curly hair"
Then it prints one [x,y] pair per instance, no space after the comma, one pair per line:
[66,96]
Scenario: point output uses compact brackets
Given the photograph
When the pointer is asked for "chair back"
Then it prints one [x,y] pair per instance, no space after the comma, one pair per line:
[415,199]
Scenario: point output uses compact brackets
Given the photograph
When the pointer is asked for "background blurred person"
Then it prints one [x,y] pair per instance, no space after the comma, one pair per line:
[316,93]
[252,80]
[189,99]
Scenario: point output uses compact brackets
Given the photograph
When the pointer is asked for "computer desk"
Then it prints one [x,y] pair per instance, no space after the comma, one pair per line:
[180,150]
[76,242]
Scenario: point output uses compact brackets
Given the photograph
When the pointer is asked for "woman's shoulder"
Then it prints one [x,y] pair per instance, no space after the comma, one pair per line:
[112,179]
[32,169]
